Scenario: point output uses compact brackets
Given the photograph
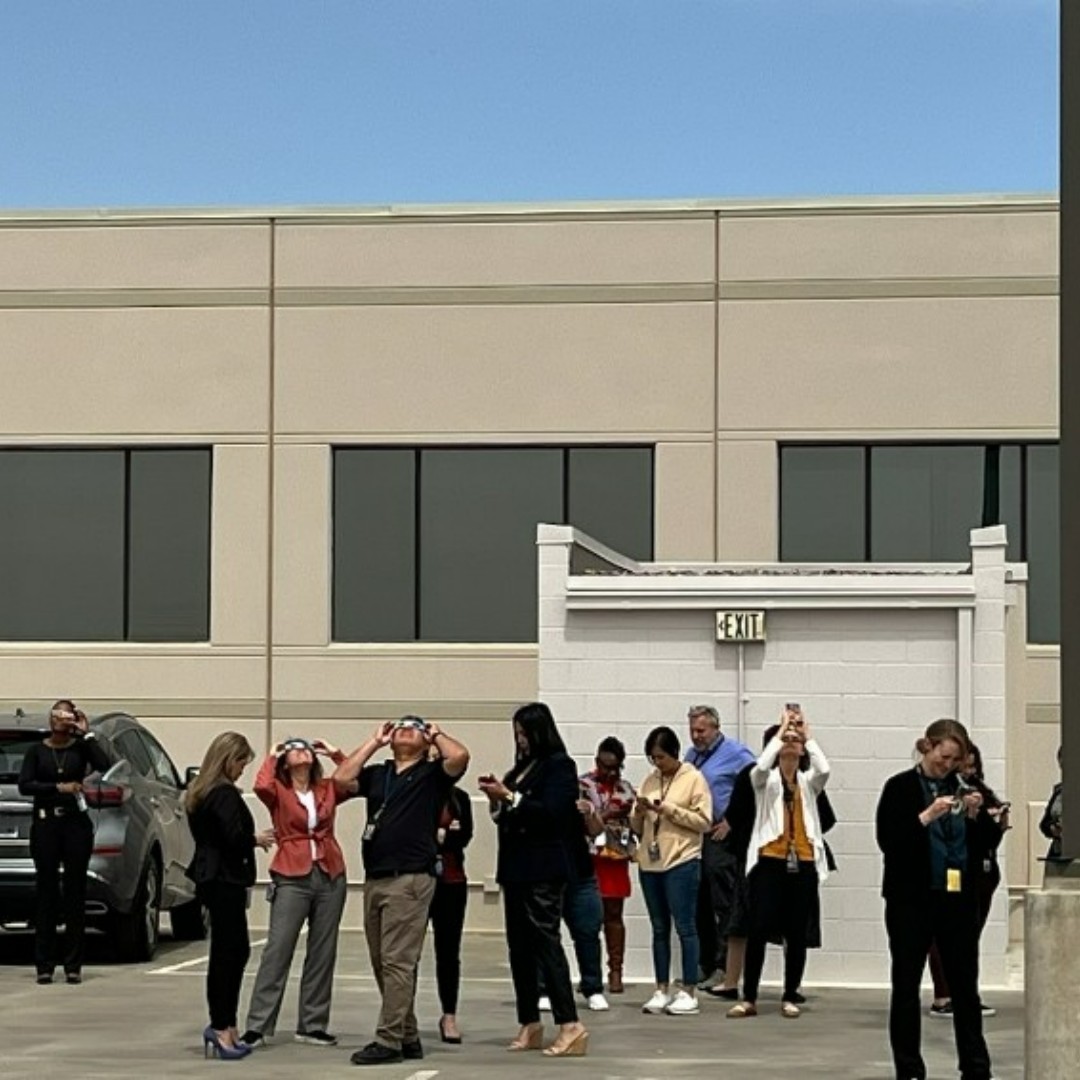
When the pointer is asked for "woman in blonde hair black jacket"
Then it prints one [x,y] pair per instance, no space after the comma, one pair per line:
[223,869]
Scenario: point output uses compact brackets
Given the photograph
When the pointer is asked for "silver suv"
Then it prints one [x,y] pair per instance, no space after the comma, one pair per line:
[142,843]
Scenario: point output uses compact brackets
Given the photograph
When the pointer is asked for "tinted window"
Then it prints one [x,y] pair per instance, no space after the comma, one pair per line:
[478,515]
[169,536]
[62,545]
[440,544]
[823,504]
[1043,545]
[131,747]
[13,748]
[924,502]
[610,497]
[375,545]
[159,760]
[105,545]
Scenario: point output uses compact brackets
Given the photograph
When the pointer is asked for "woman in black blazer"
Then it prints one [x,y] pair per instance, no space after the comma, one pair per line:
[933,835]
[223,869]
[535,808]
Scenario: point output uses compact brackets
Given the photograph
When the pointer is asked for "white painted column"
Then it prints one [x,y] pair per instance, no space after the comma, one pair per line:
[987,723]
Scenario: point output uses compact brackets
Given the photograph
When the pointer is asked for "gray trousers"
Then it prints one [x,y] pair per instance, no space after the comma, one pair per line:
[317,900]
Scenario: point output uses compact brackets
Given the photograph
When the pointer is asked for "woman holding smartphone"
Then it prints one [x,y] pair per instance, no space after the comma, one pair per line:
[61,834]
[672,813]
[931,834]
[307,885]
[786,858]
[972,778]
[535,808]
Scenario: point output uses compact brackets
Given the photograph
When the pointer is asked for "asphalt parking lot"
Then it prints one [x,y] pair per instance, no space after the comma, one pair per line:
[144,1020]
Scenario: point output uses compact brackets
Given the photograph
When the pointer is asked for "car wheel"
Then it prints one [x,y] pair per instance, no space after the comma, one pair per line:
[136,931]
[190,921]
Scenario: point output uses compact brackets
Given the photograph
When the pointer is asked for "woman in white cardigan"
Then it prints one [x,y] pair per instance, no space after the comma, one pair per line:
[786,858]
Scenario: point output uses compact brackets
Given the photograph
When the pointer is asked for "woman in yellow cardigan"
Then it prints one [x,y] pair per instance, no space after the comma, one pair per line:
[672,813]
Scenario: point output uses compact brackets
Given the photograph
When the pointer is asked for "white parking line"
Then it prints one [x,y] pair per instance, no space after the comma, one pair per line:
[191,963]
[424,1074]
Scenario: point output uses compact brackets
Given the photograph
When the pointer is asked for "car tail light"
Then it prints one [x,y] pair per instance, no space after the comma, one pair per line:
[101,795]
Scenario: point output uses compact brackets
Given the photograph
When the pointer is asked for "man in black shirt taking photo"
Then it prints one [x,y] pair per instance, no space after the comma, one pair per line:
[404,798]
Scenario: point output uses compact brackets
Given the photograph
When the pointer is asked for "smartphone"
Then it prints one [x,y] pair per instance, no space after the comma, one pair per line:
[793,707]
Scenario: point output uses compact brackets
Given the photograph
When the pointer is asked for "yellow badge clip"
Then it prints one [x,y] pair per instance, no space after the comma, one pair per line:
[952,880]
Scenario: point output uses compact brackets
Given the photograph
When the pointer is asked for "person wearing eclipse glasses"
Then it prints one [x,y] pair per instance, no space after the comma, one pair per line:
[307,884]
[61,834]
[405,798]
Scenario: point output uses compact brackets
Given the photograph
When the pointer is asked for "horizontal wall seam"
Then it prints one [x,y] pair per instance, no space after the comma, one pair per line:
[53,299]
[492,295]
[286,710]
[436,295]
[888,288]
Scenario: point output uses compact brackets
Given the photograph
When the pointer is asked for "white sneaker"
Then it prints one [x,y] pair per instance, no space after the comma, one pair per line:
[598,1003]
[657,1003]
[682,1004]
[544,1004]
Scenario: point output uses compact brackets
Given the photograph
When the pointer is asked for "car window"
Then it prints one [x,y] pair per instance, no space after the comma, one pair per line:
[131,747]
[163,767]
[13,748]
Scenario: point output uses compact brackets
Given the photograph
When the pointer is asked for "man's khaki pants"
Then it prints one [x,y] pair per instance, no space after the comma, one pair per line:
[395,921]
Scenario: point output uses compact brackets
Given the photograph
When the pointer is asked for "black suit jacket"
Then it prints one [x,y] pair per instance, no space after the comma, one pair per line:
[905,842]
[224,833]
[539,836]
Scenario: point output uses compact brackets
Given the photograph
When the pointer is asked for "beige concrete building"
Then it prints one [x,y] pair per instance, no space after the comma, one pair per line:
[720,344]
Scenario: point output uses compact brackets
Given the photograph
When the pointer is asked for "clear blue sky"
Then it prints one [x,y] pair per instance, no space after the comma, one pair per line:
[270,102]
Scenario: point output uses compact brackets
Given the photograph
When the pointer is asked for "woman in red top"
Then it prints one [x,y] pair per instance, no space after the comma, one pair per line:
[447,911]
[606,802]
[307,884]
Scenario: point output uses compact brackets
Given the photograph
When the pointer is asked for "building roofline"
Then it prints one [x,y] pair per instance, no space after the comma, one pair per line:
[647,208]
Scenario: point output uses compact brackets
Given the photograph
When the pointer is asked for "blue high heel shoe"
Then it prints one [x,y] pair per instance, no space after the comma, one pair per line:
[214,1047]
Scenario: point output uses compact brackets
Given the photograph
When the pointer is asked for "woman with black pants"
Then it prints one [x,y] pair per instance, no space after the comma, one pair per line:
[223,870]
[447,911]
[786,857]
[61,834]
[933,838]
[535,808]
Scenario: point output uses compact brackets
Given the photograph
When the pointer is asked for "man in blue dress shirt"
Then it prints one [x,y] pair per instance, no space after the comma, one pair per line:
[720,759]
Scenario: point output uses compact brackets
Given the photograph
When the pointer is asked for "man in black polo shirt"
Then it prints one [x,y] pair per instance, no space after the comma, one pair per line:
[404,798]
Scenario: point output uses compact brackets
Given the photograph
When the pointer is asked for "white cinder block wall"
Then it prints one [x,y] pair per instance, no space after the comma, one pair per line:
[873,657]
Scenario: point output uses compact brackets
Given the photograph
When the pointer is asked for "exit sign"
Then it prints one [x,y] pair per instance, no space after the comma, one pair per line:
[740,626]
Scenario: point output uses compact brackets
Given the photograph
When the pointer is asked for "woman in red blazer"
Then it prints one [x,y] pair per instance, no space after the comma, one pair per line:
[307,884]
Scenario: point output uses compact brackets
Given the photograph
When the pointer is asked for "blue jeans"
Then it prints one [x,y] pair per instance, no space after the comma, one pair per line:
[583,913]
[671,895]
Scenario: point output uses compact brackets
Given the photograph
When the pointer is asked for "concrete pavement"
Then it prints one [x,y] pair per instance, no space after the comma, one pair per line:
[144,1020]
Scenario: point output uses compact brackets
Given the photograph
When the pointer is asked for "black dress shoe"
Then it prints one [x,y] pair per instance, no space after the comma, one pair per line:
[720,992]
[412,1051]
[377,1054]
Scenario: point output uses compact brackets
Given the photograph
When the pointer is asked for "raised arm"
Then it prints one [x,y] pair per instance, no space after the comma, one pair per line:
[265,780]
[454,755]
[345,775]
